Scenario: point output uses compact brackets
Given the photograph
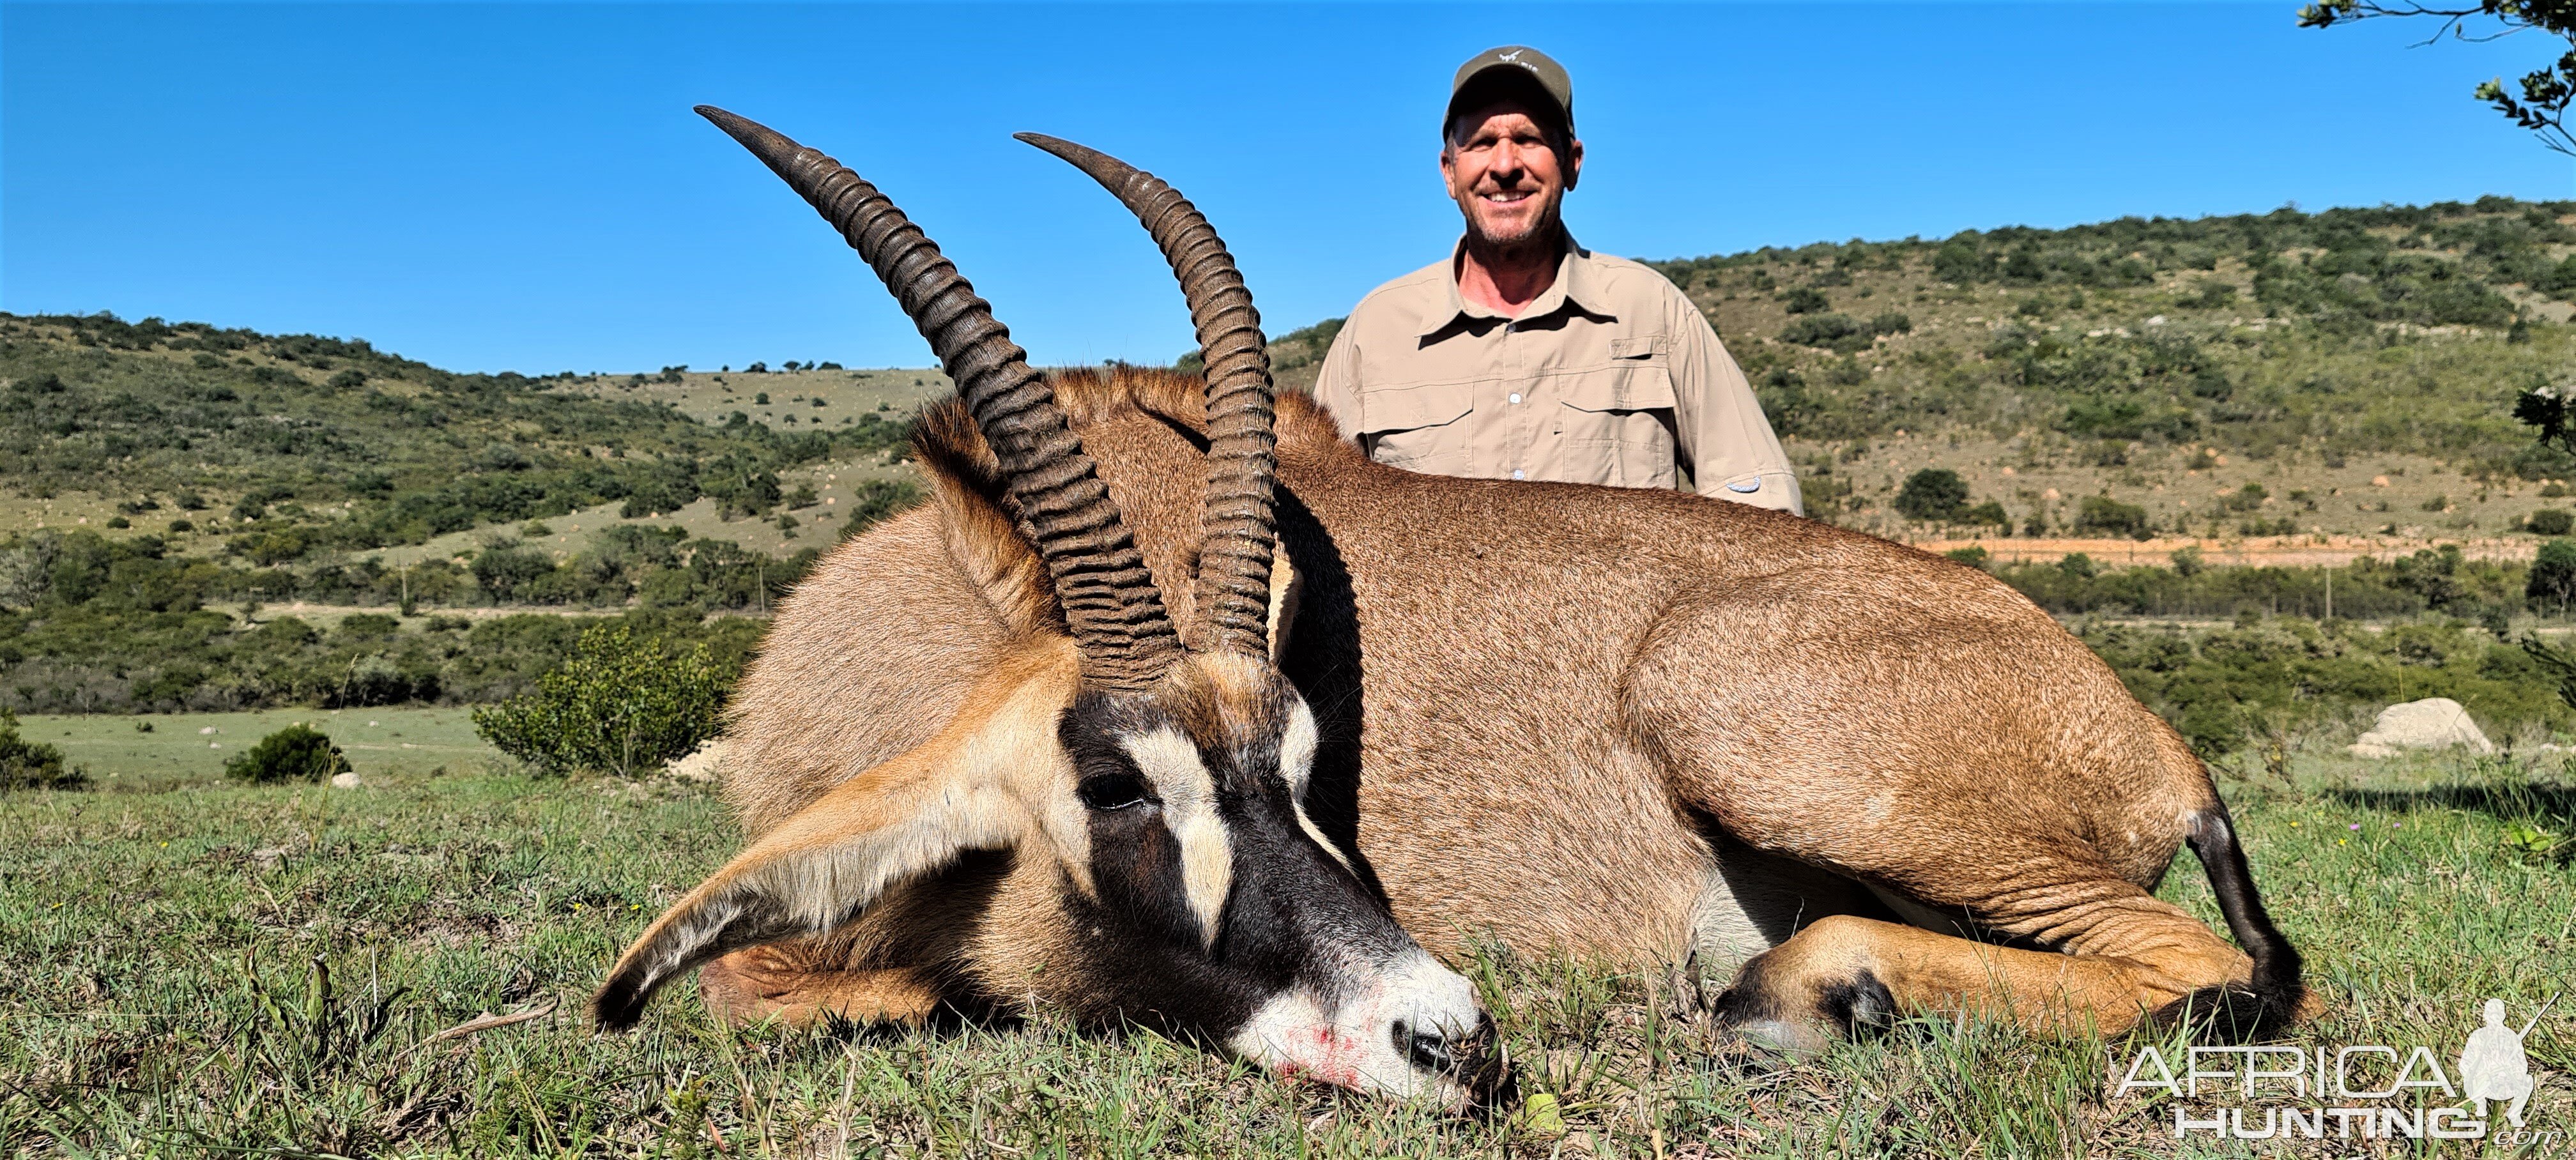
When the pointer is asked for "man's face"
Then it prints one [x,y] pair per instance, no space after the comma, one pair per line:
[1505,173]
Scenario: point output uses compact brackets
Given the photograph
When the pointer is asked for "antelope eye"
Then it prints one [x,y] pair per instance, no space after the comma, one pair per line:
[1113,791]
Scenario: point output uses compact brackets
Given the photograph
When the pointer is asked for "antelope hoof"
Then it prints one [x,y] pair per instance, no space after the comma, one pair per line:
[1800,1023]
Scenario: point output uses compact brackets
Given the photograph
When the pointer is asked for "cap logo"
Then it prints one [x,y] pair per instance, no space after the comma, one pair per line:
[1512,57]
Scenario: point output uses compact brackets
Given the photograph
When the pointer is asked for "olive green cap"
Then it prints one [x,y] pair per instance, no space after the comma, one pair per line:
[1519,59]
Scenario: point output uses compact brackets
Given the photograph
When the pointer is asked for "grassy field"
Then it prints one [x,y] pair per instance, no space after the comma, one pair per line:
[279,971]
[165,751]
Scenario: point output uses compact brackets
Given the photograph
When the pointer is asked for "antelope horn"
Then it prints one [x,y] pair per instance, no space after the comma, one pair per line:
[1109,599]
[1238,529]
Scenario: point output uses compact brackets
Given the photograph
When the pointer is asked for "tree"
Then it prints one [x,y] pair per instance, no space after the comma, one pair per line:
[2544,410]
[2553,575]
[2545,92]
[1934,493]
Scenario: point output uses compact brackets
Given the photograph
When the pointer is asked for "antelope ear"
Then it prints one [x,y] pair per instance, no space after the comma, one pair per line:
[1286,585]
[817,870]
[995,549]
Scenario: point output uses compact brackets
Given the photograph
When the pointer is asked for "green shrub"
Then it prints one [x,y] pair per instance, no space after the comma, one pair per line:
[1836,332]
[1805,300]
[2101,513]
[620,704]
[1934,493]
[505,569]
[2551,522]
[27,764]
[1958,261]
[876,499]
[296,753]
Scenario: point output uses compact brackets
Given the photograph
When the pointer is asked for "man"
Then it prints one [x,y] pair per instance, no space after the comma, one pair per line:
[1526,356]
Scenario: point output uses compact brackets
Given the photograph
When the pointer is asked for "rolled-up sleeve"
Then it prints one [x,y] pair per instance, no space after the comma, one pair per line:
[1337,385]
[1723,435]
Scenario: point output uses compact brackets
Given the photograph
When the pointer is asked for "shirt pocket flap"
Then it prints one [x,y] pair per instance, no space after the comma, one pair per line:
[1410,408]
[1640,346]
[1629,387]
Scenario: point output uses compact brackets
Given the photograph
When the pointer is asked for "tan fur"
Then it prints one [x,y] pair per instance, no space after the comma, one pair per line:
[1548,711]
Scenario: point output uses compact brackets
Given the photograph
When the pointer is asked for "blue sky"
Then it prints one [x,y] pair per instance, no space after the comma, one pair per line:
[490,186]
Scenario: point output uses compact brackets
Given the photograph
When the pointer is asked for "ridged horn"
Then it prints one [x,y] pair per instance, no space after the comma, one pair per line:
[1238,529]
[1109,599]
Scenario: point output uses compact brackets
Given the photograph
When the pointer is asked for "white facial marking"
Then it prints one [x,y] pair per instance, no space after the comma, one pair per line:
[1353,1045]
[1297,764]
[1189,809]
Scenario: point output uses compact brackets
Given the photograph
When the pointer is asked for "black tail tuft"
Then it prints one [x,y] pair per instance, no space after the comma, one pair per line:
[2271,1003]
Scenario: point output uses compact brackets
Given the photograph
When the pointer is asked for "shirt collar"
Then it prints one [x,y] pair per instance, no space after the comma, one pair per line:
[1575,286]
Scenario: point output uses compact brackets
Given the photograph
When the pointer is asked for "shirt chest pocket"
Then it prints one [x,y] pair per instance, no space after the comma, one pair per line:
[1419,428]
[1622,411]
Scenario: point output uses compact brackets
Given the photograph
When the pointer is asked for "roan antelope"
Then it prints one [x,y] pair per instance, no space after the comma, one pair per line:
[982,767]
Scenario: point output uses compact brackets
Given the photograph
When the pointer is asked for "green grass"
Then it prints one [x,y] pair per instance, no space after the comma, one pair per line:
[159,987]
[185,749]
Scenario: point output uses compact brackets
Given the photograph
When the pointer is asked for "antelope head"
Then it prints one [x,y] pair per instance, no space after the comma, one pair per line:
[1152,785]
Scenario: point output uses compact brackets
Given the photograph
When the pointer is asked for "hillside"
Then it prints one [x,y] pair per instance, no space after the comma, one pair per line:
[2349,373]
[287,448]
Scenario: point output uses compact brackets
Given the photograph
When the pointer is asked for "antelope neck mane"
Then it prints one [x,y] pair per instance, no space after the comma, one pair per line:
[952,448]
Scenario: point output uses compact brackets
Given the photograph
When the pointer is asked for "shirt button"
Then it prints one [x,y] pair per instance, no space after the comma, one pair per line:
[1517,473]
[1516,396]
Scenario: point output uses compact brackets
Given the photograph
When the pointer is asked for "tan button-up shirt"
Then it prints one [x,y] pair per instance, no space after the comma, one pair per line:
[1610,377]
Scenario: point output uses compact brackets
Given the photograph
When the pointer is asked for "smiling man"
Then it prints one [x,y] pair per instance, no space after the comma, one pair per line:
[1524,355]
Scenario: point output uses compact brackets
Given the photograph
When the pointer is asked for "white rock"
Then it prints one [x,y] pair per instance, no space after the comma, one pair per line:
[347,780]
[2432,723]
[705,764]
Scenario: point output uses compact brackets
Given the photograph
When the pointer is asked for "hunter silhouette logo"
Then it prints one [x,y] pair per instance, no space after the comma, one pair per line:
[2493,1067]
[2356,1091]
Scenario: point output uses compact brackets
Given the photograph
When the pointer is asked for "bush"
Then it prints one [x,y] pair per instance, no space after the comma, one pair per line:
[1958,261]
[1934,493]
[2552,522]
[619,705]
[504,570]
[2101,513]
[27,764]
[295,753]
[877,499]
[1831,331]
[1805,300]
[1989,513]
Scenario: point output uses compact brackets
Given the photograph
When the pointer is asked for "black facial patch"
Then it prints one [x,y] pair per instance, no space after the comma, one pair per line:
[1292,915]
